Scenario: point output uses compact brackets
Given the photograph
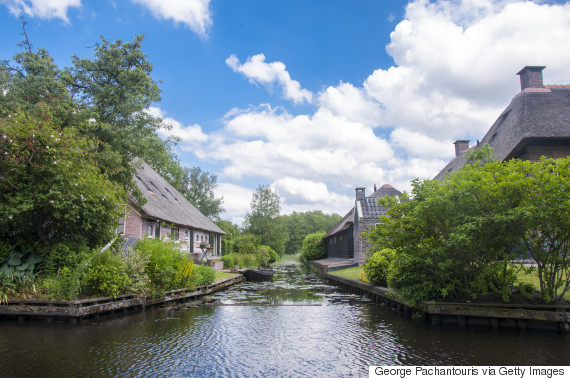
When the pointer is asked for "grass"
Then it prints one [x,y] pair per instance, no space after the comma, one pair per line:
[532,279]
[352,273]
[223,275]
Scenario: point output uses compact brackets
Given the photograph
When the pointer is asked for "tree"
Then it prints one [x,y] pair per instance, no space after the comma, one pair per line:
[459,236]
[51,190]
[299,225]
[264,221]
[105,98]
[198,188]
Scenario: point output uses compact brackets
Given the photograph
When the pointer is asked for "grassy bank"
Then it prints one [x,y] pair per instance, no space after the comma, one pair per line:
[355,272]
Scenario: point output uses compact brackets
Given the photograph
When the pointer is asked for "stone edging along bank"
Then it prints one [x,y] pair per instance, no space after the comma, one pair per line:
[74,311]
[477,314]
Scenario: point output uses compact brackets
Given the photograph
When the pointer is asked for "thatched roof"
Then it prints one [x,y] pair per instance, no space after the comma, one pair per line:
[167,204]
[343,225]
[534,113]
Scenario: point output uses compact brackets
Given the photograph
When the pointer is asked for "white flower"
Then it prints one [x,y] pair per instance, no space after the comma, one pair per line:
[4,136]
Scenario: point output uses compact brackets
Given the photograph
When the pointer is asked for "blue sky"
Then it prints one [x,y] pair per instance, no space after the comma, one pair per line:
[315,97]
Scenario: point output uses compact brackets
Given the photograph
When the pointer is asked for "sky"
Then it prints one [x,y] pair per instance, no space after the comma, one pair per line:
[315,98]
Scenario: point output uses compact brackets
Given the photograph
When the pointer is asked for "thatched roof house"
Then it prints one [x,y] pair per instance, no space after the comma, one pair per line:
[168,213]
[344,240]
[535,124]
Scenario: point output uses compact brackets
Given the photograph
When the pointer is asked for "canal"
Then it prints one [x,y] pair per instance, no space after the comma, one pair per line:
[295,326]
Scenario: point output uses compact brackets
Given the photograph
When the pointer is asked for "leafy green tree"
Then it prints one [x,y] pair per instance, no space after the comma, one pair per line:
[299,225]
[232,232]
[314,247]
[263,220]
[541,219]
[105,98]
[459,236]
[51,190]
[198,188]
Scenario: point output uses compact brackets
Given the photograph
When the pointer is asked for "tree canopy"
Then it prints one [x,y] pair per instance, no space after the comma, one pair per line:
[198,187]
[263,220]
[460,236]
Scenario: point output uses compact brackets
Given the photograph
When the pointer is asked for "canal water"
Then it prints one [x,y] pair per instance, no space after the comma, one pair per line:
[295,326]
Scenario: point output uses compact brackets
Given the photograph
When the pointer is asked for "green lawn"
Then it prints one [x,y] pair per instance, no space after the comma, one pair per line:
[223,275]
[352,273]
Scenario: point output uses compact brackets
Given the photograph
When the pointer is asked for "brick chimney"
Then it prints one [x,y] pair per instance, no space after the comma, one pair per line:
[461,146]
[531,77]
[360,193]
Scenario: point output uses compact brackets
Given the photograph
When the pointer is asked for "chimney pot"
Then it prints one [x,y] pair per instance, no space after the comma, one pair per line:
[461,146]
[531,77]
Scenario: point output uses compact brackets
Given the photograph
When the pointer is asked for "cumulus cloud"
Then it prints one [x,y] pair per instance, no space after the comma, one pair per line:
[270,74]
[272,143]
[453,73]
[236,200]
[455,62]
[306,195]
[190,136]
[193,13]
[47,9]
[351,103]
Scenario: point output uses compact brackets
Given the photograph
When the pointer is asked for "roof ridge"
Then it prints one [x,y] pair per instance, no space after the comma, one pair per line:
[557,86]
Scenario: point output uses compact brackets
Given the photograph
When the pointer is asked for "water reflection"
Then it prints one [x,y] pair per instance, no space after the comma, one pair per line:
[295,326]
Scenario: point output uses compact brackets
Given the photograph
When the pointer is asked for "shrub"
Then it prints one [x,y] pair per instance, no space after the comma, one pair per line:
[377,266]
[106,275]
[68,283]
[314,247]
[246,244]
[229,261]
[204,275]
[135,264]
[266,256]
[245,260]
[168,268]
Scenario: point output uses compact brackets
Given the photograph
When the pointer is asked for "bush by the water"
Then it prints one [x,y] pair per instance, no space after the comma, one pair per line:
[314,247]
[377,267]
[151,266]
[204,275]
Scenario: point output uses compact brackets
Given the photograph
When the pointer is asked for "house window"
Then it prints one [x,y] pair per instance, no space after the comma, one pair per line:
[121,225]
[157,230]
[175,233]
[149,229]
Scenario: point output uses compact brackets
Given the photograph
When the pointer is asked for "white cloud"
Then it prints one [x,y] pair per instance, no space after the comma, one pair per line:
[454,72]
[190,135]
[351,103]
[306,195]
[193,13]
[47,9]
[272,143]
[269,74]
[236,201]
[455,62]
[416,144]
